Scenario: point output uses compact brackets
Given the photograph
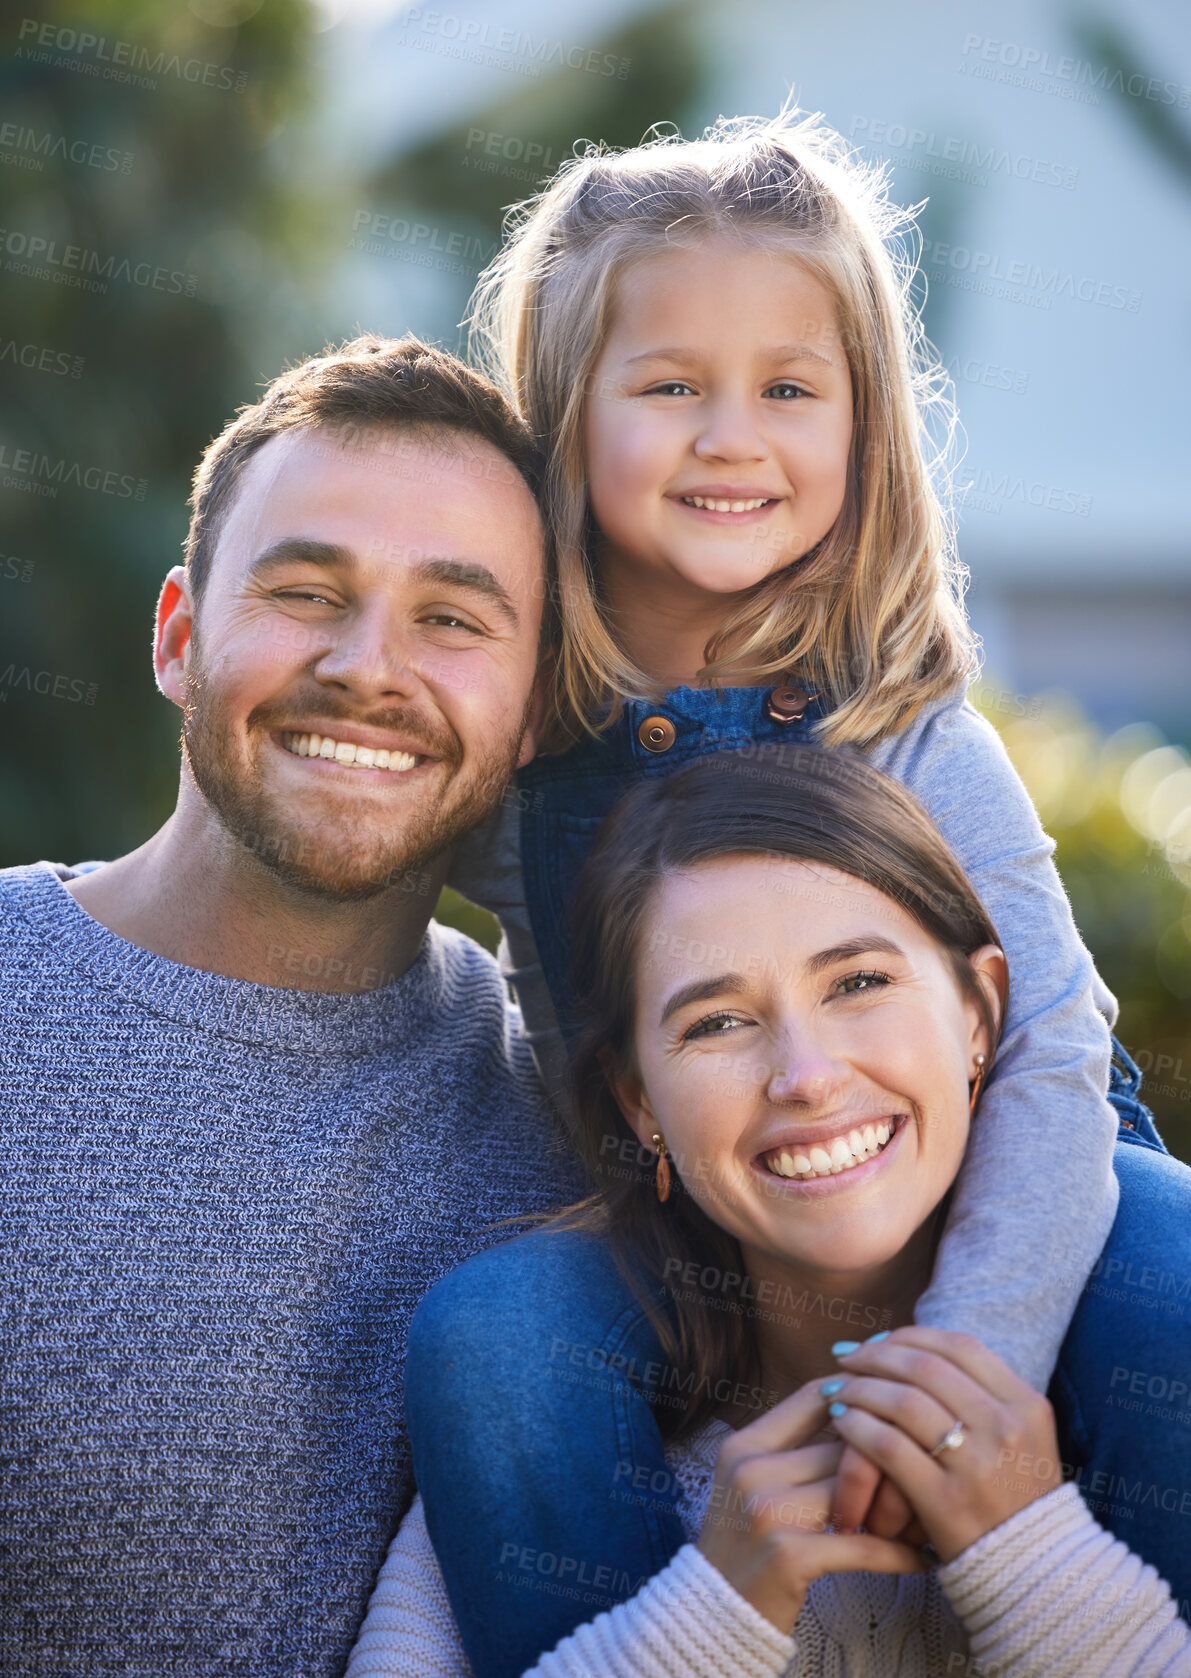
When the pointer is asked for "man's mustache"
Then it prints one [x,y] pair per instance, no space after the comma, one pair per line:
[410,724]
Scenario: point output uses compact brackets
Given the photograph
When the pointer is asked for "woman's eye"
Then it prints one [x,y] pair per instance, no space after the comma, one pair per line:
[712,1025]
[787,389]
[856,982]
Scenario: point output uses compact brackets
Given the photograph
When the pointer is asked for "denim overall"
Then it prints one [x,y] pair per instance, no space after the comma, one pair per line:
[532,1370]
[568,797]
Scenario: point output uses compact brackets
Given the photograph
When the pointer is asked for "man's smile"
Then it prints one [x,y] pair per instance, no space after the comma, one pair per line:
[351,754]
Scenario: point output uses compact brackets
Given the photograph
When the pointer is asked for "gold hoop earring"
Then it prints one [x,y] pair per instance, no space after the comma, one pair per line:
[662,1180]
[979,1079]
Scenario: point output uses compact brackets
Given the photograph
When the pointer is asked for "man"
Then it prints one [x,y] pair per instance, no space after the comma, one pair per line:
[254,1101]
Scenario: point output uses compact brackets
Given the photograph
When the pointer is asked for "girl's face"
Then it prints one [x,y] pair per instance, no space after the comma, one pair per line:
[719,417]
[804,1048]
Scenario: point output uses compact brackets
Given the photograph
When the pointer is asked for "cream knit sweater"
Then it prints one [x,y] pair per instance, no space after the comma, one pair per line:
[1049,1594]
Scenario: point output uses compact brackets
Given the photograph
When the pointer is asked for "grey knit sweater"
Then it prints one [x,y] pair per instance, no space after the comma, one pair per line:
[220,1203]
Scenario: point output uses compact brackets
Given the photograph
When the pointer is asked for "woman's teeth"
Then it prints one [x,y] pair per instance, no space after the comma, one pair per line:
[829,1159]
[726,506]
[365,757]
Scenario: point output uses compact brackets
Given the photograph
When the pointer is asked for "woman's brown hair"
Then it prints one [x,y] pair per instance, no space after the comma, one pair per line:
[808,804]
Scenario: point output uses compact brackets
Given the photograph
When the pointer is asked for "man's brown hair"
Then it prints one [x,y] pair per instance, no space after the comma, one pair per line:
[401,384]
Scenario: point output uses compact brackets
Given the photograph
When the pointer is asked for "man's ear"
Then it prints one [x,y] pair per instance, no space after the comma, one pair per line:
[992,975]
[629,1094]
[171,635]
[540,705]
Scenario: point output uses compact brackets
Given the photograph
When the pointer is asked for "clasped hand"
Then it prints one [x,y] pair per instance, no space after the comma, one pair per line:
[792,1487]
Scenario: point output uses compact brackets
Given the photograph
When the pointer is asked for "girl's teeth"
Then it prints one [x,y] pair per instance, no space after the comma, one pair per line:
[363,757]
[720,506]
[841,1154]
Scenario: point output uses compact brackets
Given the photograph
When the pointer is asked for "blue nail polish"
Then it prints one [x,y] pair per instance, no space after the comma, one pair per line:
[837,1409]
[843,1347]
[873,1338]
[830,1388]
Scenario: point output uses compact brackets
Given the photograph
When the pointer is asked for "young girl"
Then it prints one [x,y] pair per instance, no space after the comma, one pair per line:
[717,345]
[869,1010]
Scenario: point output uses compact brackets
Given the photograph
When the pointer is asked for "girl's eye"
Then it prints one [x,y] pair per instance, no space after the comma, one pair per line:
[787,388]
[856,982]
[712,1025]
[679,385]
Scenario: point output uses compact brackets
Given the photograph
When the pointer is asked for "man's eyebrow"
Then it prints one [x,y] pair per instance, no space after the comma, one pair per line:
[701,990]
[469,574]
[326,554]
[780,353]
[453,573]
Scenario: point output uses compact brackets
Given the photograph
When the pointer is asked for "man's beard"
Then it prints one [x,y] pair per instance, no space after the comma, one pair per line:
[361,855]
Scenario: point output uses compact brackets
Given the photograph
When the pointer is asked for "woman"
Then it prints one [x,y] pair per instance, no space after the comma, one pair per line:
[792,999]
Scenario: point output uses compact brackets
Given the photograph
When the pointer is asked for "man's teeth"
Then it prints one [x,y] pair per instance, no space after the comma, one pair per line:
[366,757]
[838,1155]
[727,506]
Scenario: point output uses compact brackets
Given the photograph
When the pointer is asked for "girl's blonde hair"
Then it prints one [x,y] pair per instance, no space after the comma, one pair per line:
[873,617]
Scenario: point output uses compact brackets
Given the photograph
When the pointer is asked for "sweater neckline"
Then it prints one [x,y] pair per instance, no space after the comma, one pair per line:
[270,1016]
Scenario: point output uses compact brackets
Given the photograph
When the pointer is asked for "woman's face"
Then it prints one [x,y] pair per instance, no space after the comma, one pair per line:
[805,1049]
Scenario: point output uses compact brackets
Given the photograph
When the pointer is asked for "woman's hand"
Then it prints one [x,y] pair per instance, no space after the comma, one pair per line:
[903,1396]
[766,1523]
[864,1497]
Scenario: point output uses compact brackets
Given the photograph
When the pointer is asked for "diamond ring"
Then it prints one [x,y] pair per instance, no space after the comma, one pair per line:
[951,1440]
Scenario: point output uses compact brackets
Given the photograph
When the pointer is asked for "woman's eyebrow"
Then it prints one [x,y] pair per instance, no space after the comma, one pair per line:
[868,943]
[701,990]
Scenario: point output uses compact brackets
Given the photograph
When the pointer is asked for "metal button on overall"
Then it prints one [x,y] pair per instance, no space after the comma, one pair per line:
[788,703]
[657,734]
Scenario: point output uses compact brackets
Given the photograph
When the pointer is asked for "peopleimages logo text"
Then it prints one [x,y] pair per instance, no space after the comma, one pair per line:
[83,44]
[42,470]
[36,251]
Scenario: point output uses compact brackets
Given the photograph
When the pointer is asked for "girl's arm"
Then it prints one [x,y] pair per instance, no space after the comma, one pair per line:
[1036,1195]
[1051,1592]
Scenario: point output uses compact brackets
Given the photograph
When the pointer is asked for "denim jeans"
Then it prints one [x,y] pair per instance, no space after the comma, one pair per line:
[533,1371]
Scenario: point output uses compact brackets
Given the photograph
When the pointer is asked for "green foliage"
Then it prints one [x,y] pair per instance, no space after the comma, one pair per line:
[1119,810]
[152,373]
